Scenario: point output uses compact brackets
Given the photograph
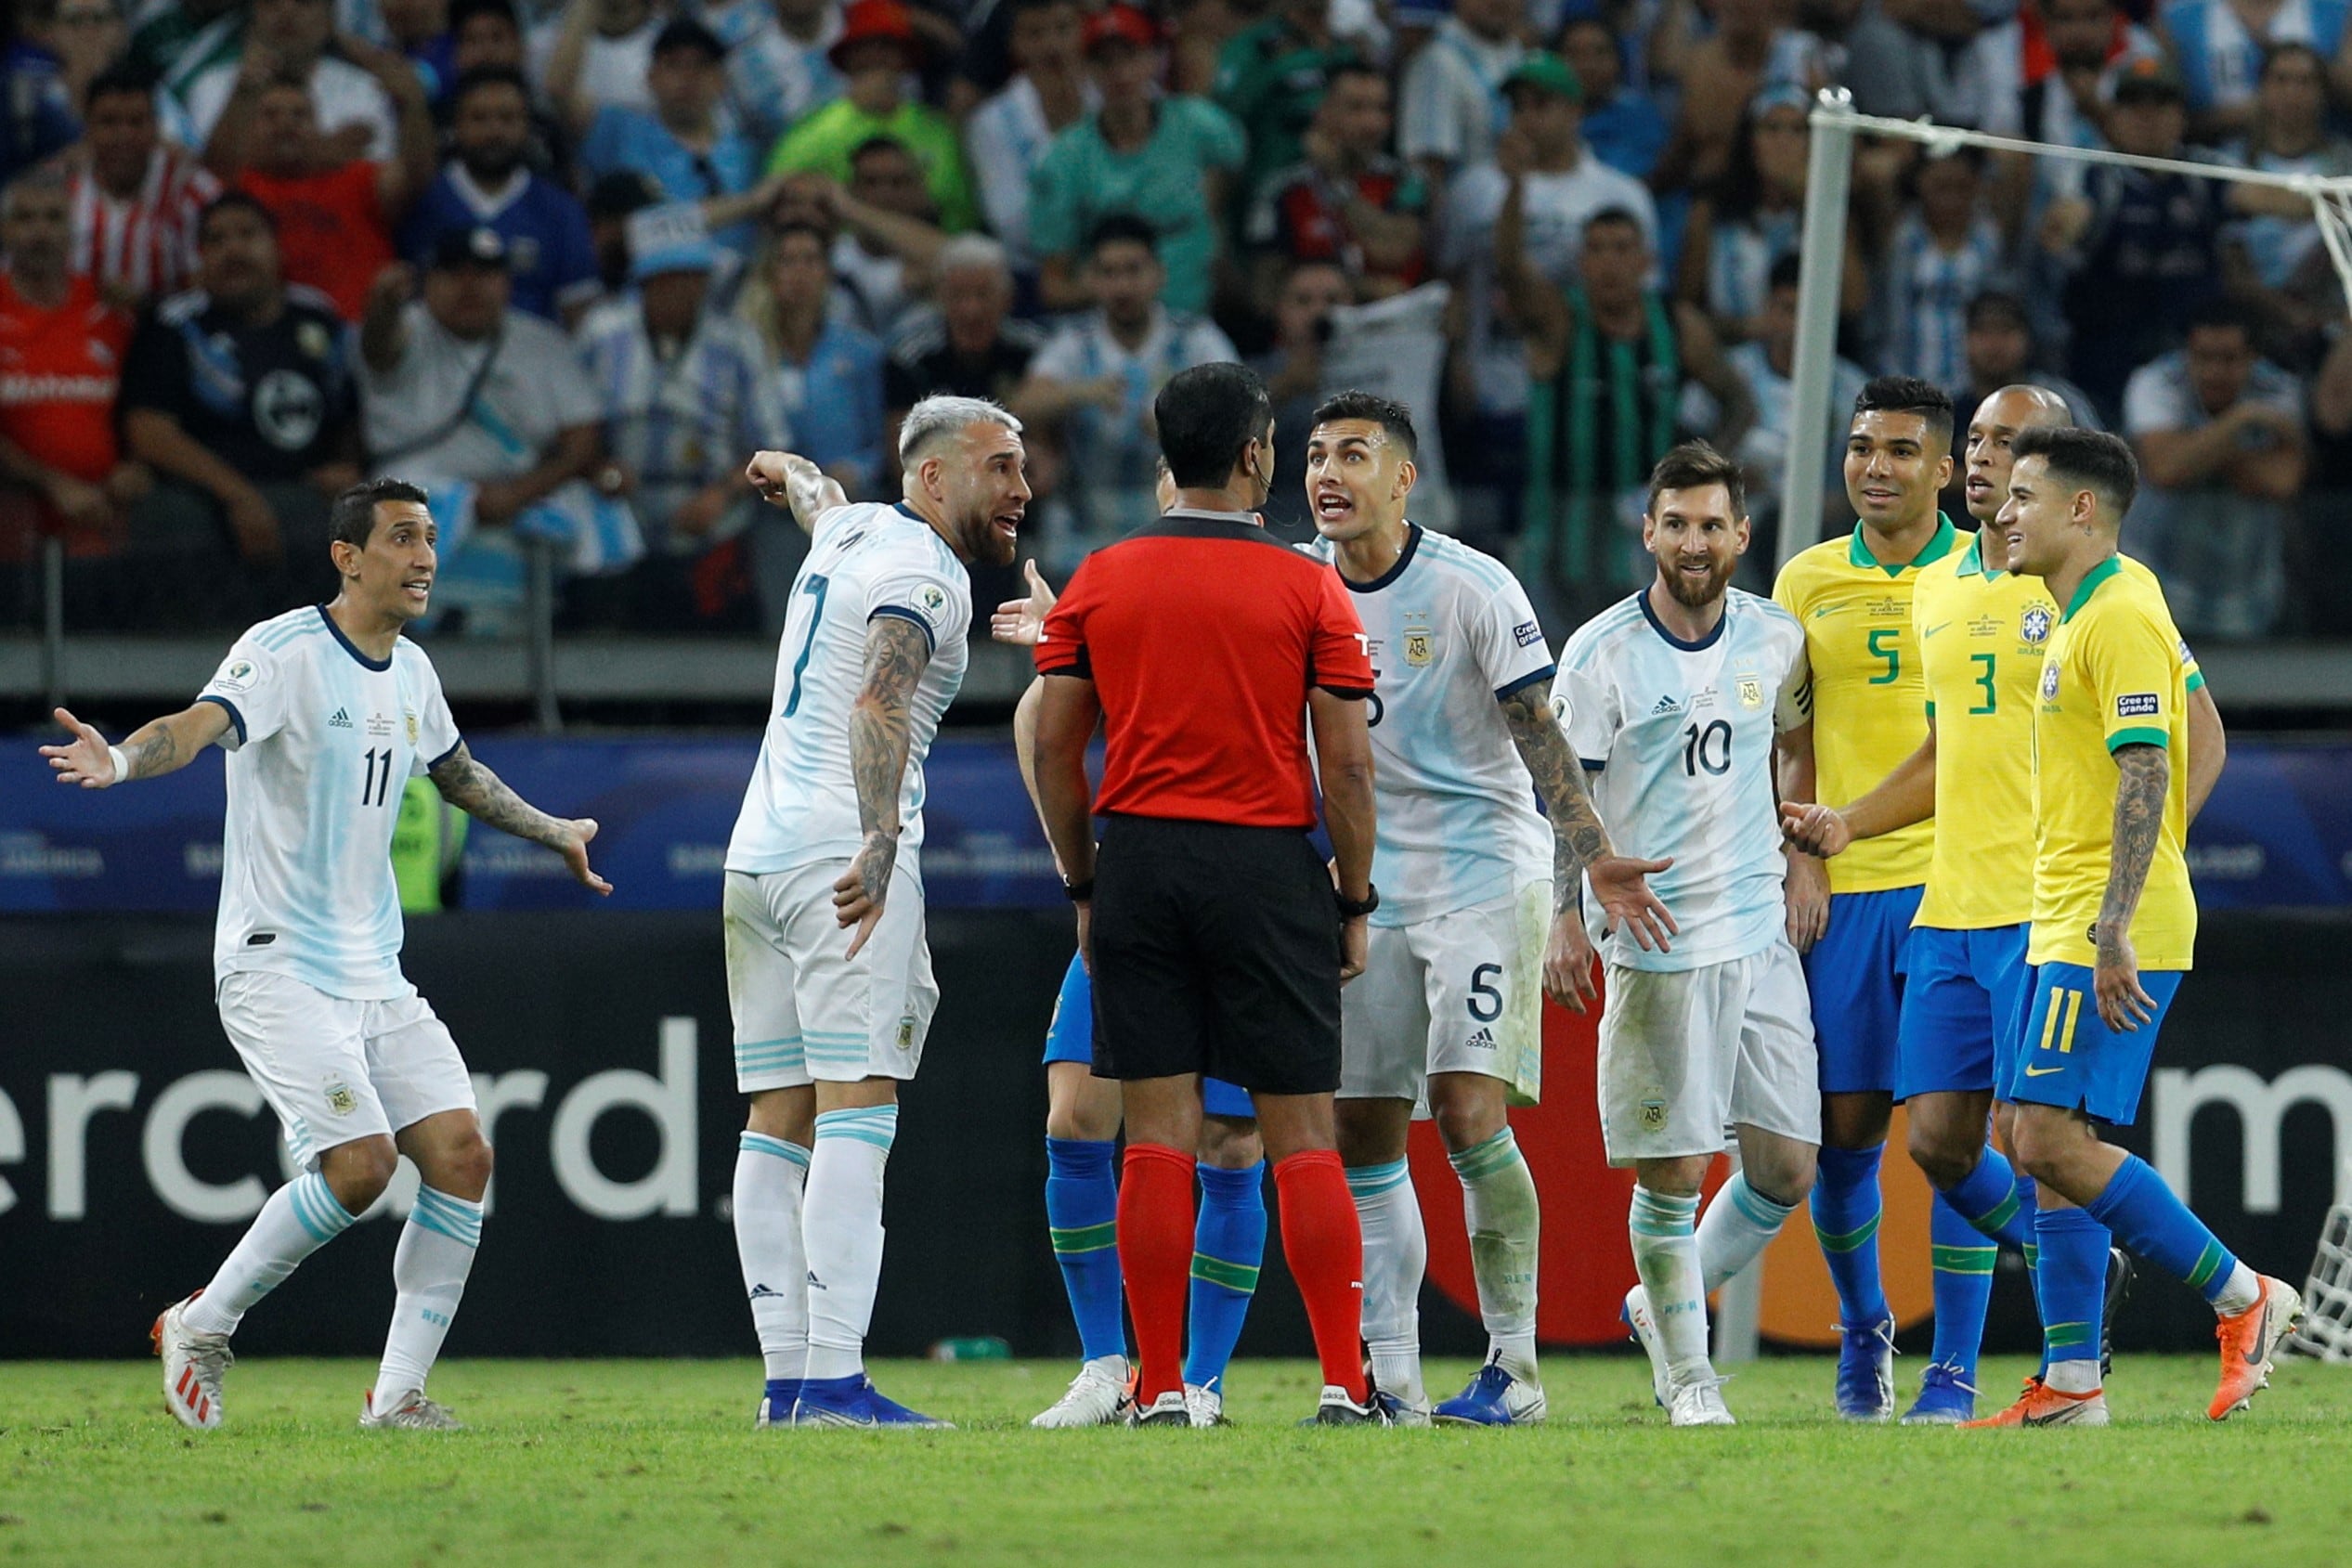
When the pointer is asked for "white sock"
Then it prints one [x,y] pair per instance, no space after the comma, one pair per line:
[1739,1224]
[841,1220]
[1395,1256]
[300,1218]
[2074,1377]
[1666,1254]
[2240,1291]
[769,1177]
[1499,1209]
[428,1274]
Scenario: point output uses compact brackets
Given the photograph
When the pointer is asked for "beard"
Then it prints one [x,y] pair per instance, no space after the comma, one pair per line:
[982,542]
[1695,595]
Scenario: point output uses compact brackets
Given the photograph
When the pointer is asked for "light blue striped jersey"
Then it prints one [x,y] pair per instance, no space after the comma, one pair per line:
[2220,58]
[1450,632]
[1679,735]
[320,743]
[866,560]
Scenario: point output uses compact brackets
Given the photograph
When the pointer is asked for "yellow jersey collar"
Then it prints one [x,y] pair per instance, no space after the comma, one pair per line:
[1858,551]
[2089,585]
[1972,561]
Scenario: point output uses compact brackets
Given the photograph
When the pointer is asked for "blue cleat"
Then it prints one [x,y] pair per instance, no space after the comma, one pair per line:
[1494,1398]
[1865,1371]
[852,1402]
[775,1405]
[1945,1398]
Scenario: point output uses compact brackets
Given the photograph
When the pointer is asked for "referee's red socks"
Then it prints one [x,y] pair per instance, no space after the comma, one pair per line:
[1324,1246]
[1155,1254]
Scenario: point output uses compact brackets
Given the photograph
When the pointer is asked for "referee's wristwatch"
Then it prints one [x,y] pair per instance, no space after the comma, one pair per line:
[1354,909]
[1078,892]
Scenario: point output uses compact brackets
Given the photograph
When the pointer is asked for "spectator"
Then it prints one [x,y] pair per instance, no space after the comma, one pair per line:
[335,216]
[1269,77]
[1293,371]
[238,394]
[2217,47]
[970,346]
[1008,136]
[2037,74]
[828,373]
[597,54]
[135,196]
[487,182]
[86,36]
[686,392]
[878,48]
[37,120]
[1622,125]
[1347,201]
[486,408]
[1093,385]
[681,142]
[61,468]
[612,202]
[487,35]
[883,258]
[779,65]
[351,103]
[419,31]
[1169,158]
[1998,347]
[1607,367]
[1719,75]
[1946,248]
[2220,437]
[1453,105]
[2290,278]
[1751,218]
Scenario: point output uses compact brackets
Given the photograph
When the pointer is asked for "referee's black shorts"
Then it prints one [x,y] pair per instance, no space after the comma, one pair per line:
[1215,950]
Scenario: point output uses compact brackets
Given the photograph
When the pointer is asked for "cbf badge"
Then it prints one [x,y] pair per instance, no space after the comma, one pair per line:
[1751,692]
[2050,683]
[1420,647]
[2034,627]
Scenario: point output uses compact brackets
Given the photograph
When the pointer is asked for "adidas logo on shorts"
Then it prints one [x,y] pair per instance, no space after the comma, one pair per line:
[342,721]
[1482,1041]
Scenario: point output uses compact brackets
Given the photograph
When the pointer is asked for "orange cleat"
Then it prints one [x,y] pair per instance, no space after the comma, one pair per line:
[2248,1339]
[2041,1406]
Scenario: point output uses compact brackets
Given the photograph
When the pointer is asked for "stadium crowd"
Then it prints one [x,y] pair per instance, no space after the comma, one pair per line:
[565,264]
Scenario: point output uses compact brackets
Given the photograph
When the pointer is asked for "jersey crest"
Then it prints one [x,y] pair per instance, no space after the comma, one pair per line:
[2034,626]
[1420,646]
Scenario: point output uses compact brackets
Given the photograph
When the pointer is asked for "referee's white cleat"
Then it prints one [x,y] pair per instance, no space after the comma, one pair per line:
[192,1367]
[410,1411]
[1168,1410]
[1644,1327]
[1097,1397]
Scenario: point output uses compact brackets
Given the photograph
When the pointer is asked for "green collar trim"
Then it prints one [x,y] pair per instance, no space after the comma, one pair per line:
[1858,551]
[1972,563]
[2089,585]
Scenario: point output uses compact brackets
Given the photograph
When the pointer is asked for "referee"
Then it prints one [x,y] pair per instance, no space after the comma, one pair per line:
[1215,940]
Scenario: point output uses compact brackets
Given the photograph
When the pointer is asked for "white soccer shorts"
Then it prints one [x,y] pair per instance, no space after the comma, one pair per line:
[1458,992]
[336,1070]
[803,1008]
[1686,1053]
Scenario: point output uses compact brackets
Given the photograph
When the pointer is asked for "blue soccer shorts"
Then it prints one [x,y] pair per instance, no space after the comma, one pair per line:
[1856,974]
[1963,993]
[2067,1056]
[1071,1038]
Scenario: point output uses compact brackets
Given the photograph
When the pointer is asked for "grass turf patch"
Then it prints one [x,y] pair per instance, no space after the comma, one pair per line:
[626,1461]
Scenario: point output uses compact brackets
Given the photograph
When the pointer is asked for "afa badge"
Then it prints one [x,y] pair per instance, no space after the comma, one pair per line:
[2034,626]
[413,729]
[1420,647]
[1751,692]
[906,1032]
[1653,1115]
[340,1099]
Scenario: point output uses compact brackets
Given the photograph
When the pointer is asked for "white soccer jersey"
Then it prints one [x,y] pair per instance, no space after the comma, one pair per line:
[321,740]
[1449,631]
[1680,736]
[866,559]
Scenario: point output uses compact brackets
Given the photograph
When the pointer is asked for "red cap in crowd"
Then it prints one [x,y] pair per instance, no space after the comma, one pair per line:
[866,22]
[1121,24]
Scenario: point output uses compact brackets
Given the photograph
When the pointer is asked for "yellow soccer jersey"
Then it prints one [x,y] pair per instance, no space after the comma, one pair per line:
[2115,676]
[1869,703]
[1983,633]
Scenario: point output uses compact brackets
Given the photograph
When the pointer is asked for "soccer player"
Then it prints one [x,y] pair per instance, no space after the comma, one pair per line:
[1481,912]
[1675,696]
[1852,596]
[306,951]
[829,840]
[1980,633]
[2114,924]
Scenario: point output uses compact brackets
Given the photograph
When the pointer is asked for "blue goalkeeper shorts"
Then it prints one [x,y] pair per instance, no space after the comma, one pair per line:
[1071,1038]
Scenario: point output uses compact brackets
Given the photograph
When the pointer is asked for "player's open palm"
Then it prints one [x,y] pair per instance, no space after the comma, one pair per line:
[1022,621]
[2123,1003]
[85,759]
[574,848]
[1567,963]
[1621,885]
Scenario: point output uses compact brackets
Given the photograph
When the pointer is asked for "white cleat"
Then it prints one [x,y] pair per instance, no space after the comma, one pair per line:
[1097,1397]
[410,1411]
[1637,1318]
[1699,1403]
[1205,1405]
[192,1367]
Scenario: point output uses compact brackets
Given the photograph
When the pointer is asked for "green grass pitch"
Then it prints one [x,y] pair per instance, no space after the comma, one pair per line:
[643,1461]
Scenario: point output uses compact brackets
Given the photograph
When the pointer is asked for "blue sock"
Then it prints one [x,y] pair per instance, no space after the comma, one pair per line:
[1995,1200]
[2157,1225]
[1228,1243]
[1846,1207]
[2069,1278]
[1082,1207]
[1963,1258]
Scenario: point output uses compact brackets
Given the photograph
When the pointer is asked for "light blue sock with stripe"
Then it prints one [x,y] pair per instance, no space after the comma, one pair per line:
[428,1274]
[300,1218]
[1082,1218]
[1662,1227]
[770,1176]
[1395,1256]
[1505,1220]
[1738,1225]
[1229,1244]
[841,1224]
[1846,1207]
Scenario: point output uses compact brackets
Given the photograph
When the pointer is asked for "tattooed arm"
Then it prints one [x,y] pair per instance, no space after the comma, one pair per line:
[896,652]
[2143,776]
[482,795]
[787,479]
[153,749]
[1579,847]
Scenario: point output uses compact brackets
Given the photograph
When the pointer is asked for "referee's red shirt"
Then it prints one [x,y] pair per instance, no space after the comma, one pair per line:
[1202,635]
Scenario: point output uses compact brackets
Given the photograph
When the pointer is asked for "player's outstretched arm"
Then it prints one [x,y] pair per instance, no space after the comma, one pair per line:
[2143,776]
[482,795]
[1903,796]
[1806,889]
[789,479]
[2208,748]
[1580,847]
[896,652]
[154,748]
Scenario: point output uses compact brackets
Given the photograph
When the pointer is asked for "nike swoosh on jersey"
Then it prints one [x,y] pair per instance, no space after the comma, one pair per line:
[1934,630]
[1826,609]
